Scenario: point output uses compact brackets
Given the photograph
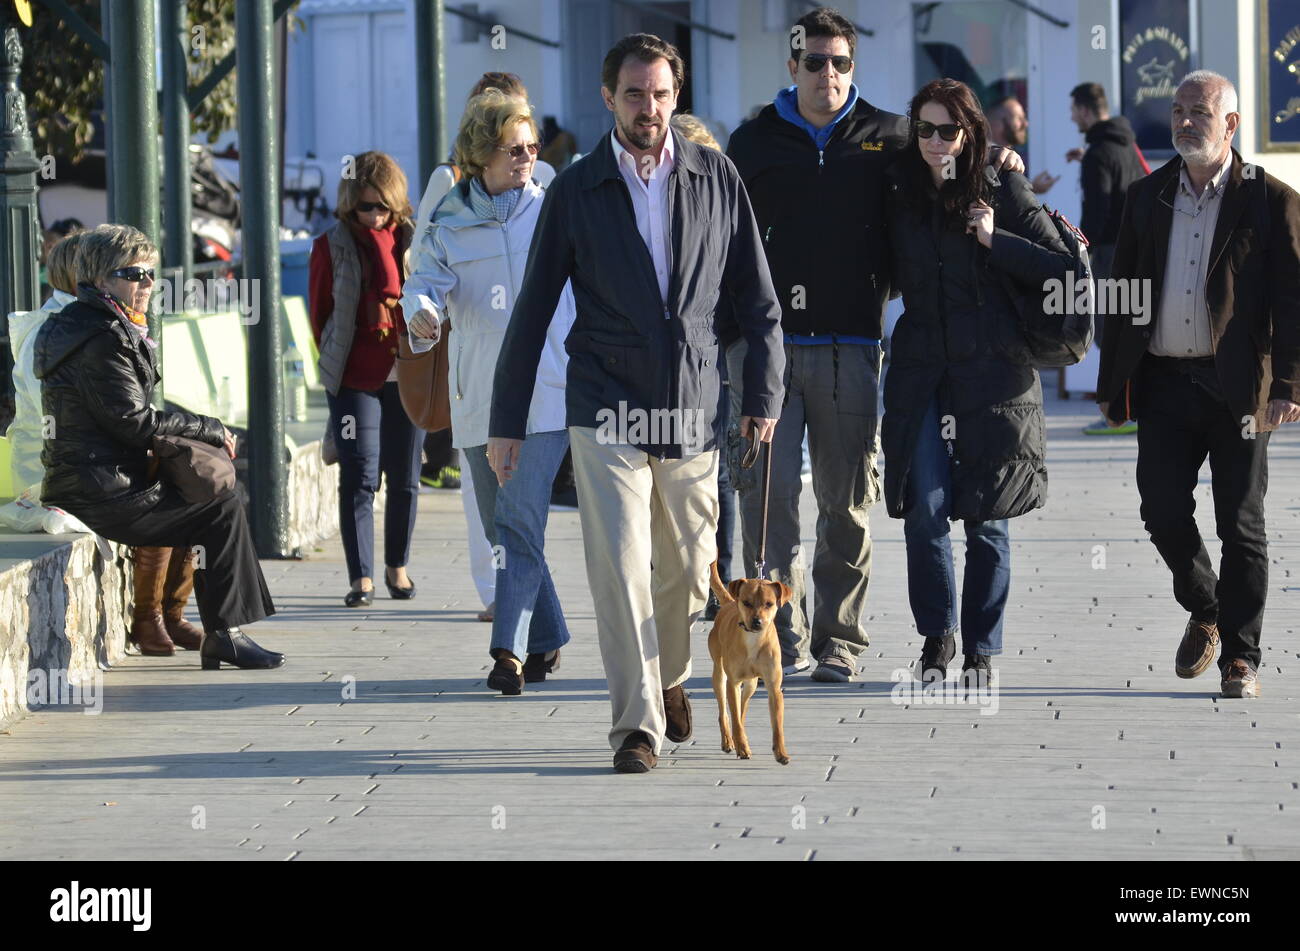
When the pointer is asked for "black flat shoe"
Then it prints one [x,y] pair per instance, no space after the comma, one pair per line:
[359,599]
[400,594]
[507,676]
[537,666]
[237,649]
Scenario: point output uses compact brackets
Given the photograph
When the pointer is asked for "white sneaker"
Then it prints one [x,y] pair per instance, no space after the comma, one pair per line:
[798,667]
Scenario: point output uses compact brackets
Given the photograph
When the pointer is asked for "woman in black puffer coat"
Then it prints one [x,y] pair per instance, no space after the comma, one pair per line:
[963,430]
[97,368]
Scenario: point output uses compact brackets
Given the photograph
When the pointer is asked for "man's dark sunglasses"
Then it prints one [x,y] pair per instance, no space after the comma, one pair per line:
[816,62]
[134,274]
[369,206]
[948,131]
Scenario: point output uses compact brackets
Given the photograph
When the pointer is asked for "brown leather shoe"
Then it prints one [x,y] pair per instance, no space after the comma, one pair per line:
[176,592]
[1196,650]
[636,755]
[1240,681]
[677,712]
[148,630]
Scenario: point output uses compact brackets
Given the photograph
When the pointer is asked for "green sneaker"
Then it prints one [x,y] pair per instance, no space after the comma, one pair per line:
[1103,428]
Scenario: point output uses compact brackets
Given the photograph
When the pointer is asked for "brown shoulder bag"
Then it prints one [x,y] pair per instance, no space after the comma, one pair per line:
[199,471]
[422,383]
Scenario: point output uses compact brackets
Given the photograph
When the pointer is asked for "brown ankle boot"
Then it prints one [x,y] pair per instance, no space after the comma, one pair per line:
[176,592]
[148,631]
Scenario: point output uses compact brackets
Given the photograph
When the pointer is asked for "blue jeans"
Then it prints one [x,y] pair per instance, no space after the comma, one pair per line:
[528,616]
[373,435]
[931,579]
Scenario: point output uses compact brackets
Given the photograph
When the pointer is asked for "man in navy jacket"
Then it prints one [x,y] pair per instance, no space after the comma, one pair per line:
[652,230]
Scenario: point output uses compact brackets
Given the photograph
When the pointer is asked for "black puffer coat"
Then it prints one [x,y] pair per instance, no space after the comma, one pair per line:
[959,338]
[97,378]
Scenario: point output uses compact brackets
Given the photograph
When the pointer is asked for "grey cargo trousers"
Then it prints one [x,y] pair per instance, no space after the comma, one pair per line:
[832,392]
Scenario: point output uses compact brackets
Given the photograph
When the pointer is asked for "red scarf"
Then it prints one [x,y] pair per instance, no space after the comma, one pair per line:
[381,280]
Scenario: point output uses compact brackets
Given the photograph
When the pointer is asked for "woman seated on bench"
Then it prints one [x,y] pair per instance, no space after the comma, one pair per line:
[97,367]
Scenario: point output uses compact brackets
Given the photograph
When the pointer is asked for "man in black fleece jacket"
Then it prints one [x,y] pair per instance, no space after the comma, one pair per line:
[1110,165]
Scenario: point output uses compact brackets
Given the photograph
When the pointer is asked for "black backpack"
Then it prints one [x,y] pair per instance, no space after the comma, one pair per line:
[1056,322]
[1058,331]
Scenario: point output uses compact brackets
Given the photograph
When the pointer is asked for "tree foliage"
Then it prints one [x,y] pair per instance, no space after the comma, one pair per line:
[63,79]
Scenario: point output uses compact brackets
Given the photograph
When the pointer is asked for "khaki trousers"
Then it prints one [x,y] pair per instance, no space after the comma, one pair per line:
[638,511]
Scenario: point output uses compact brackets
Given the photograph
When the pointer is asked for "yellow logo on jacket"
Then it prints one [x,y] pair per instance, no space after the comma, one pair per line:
[873,146]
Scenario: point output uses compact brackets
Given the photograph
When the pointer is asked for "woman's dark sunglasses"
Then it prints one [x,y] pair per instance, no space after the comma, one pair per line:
[948,132]
[816,62]
[134,274]
[369,206]
[517,151]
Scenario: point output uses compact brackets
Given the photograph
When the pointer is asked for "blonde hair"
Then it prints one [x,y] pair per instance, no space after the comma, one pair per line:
[62,262]
[693,129]
[104,249]
[381,172]
[488,116]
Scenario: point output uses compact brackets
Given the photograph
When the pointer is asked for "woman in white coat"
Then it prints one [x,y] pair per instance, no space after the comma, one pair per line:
[468,265]
[443,179]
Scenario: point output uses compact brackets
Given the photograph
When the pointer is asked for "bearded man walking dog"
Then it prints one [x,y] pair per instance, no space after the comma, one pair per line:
[652,230]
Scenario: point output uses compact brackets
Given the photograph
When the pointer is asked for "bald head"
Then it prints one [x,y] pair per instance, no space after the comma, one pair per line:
[1008,125]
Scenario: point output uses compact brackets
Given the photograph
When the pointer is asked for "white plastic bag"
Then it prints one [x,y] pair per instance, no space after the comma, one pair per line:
[24,514]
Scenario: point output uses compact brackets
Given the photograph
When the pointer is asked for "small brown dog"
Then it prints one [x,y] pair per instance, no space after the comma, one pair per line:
[744,647]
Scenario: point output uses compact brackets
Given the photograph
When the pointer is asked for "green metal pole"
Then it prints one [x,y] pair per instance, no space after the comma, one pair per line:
[258,174]
[18,218]
[430,85]
[133,161]
[105,20]
[178,251]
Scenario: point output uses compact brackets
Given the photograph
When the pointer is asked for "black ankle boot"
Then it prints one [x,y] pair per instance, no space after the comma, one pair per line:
[537,666]
[937,653]
[236,648]
[977,671]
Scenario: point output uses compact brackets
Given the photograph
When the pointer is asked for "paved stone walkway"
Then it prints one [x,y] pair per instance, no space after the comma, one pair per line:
[379,740]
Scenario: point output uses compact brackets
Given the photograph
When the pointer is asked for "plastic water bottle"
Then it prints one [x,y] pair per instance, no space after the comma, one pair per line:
[295,385]
[225,402]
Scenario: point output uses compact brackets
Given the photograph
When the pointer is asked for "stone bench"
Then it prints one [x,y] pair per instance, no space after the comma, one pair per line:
[65,609]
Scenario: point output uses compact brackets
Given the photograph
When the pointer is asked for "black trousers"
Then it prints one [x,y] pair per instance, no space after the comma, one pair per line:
[1182,419]
[374,435]
[228,583]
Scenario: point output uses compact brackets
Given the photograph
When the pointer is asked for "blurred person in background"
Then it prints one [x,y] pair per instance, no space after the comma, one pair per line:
[1009,128]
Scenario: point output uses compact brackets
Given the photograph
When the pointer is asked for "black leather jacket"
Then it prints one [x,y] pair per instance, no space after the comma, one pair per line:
[97,378]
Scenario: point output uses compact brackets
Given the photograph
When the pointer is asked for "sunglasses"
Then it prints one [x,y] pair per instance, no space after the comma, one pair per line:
[368,206]
[816,62]
[133,274]
[517,151]
[948,131]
